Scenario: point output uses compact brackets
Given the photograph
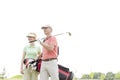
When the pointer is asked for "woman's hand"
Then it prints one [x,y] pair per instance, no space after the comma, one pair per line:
[21,71]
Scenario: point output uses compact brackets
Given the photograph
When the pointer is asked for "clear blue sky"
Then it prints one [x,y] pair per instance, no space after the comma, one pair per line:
[95,26]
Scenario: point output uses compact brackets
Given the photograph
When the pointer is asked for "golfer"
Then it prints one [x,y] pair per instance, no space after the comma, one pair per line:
[49,66]
[30,52]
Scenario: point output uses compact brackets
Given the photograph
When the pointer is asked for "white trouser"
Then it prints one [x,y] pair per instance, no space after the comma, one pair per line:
[30,74]
[49,68]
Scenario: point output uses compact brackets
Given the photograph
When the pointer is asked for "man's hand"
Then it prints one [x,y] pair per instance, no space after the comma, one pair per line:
[40,40]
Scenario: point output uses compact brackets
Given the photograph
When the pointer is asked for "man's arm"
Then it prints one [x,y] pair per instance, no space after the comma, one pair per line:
[49,47]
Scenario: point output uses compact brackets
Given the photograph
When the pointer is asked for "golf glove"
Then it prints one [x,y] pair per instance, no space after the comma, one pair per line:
[40,40]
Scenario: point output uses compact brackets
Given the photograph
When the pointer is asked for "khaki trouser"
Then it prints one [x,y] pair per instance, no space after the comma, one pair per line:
[30,74]
[49,68]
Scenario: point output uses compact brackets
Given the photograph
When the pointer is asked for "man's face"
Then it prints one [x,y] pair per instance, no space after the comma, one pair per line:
[47,31]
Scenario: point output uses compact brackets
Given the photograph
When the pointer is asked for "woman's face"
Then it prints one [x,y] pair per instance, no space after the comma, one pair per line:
[31,38]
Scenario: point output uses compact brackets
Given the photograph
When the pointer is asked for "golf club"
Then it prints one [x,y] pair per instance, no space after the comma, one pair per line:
[63,33]
[69,34]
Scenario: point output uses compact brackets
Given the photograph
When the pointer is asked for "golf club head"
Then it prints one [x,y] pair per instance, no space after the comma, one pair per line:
[69,33]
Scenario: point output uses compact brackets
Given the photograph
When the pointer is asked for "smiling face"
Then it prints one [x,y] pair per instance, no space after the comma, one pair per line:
[30,38]
[47,31]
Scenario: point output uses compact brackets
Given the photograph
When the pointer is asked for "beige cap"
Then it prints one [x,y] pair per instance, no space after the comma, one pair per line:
[31,35]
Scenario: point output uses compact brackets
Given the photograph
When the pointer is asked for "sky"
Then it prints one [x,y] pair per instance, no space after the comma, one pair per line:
[94,45]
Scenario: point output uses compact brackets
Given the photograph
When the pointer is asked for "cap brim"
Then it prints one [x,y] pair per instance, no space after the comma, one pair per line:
[44,27]
[30,35]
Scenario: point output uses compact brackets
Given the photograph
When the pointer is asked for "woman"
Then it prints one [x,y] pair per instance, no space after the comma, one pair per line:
[30,52]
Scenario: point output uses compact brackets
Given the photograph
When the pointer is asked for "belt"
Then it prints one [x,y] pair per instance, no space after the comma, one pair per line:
[49,59]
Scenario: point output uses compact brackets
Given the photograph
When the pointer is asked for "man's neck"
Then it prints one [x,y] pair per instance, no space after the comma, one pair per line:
[48,35]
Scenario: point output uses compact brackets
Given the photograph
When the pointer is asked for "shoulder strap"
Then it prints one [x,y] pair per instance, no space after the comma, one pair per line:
[58,50]
[46,38]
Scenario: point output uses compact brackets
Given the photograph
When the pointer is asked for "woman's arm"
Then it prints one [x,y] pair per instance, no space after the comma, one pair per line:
[21,67]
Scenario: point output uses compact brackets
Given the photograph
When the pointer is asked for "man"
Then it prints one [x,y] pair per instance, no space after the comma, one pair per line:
[49,66]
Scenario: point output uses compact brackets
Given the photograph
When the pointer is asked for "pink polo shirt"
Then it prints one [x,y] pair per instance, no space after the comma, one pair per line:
[50,54]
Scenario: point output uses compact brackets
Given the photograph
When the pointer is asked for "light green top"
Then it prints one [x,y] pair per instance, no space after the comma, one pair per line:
[31,51]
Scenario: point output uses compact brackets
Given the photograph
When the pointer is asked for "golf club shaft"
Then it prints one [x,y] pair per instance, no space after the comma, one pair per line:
[53,35]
